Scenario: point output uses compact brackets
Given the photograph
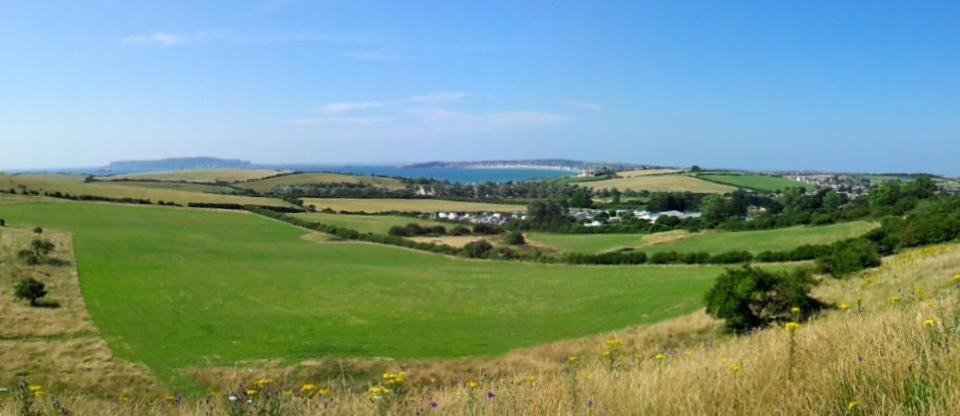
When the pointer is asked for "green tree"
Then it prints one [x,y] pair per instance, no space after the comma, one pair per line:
[922,187]
[846,257]
[581,199]
[478,249]
[30,289]
[747,298]
[515,238]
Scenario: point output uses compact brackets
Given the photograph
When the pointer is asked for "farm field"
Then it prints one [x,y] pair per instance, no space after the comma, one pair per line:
[214,288]
[267,184]
[178,186]
[375,224]
[761,183]
[661,183]
[647,172]
[200,175]
[75,185]
[375,205]
[712,242]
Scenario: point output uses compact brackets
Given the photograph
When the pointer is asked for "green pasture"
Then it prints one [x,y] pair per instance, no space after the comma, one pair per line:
[266,184]
[709,241]
[761,183]
[375,224]
[179,288]
[374,205]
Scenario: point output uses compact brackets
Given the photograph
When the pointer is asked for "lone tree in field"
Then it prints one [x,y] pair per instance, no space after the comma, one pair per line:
[3,222]
[32,290]
[39,249]
[38,231]
[748,298]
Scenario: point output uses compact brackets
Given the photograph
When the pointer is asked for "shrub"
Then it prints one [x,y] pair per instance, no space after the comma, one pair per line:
[460,230]
[747,298]
[848,256]
[486,229]
[30,289]
[477,249]
[515,238]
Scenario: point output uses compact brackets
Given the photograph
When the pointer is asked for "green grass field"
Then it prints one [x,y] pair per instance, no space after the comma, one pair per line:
[761,183]
[75,185]
[661,183]
[179,186]
[201,175]
[180,288]
[710,241]
[267,184]
[376,224]
[408,205]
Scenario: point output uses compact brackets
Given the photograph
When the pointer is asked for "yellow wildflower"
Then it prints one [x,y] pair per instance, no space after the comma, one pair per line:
[660,357]
[33,388]
[375,393]
[324,392]
[263,382]
[573,359]
[689,353]
[956,278]
[309,389]
[169,398]
[286,393]
[843,307]
[472,385]
[395,379]
[531,379]
[895,299]
[929,323]
[735,368]
[252,392]
[853,405]
[795,311]
[614,343]
[792,327]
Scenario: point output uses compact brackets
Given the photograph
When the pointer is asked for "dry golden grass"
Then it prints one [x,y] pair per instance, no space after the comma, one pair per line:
[661,183]
[454,240]
[886,358]
[201,175]
[647,172]
[59,347]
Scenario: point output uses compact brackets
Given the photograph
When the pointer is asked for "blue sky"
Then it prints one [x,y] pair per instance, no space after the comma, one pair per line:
[838,85]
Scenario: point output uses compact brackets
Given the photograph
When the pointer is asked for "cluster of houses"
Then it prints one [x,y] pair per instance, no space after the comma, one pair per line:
[495,218]
[598,218]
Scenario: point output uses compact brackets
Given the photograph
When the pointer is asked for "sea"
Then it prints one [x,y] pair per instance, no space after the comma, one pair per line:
[454,175]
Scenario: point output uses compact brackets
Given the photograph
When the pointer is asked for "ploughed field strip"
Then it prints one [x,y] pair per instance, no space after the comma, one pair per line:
[713,242]
[179,288]
[661,183]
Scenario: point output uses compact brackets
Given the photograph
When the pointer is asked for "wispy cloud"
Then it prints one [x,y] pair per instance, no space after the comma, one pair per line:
[421,115]
[171,39]
[583,105]
[432,98]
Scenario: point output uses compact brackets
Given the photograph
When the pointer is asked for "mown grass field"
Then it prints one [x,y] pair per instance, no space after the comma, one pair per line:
[408,205]
[180,288]
[376,224]
[267,184]
[761,183]
[661,183]
[75,185]
[709,241]
[201,175]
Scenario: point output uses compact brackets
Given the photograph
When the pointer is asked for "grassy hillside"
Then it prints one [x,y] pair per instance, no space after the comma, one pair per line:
[75,185]
[201,175]
[708,241]
[176,288]
[762,183]
[376,224]
[267,184]
[661,183]
[408,205]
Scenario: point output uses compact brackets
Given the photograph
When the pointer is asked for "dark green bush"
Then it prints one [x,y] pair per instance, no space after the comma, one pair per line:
[747,298]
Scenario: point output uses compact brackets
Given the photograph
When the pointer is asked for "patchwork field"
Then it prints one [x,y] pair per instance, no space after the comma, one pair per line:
[761,183]
[661,183]
[201,175]
[267,184]
[647,172]
[376,224]
[179,288]
[408,205]
[709,241]
[75,185]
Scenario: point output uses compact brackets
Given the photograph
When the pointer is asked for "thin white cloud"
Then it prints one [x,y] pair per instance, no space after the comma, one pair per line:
[170,39]
[435,98]
[583,105]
